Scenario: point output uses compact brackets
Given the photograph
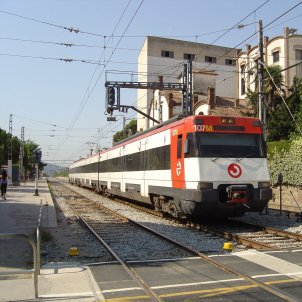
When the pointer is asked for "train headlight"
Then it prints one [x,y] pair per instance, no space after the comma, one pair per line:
[228,120]
[264,184]
[204,185]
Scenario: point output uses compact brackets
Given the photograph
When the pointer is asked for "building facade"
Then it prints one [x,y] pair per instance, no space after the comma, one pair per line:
[213,67]
[284,51]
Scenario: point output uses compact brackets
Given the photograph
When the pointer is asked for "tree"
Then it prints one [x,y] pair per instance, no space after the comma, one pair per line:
[3,147]
[5,140]
[279,122]
[28,161]
[270,89]
[130,129]
[29,147]
[296,99]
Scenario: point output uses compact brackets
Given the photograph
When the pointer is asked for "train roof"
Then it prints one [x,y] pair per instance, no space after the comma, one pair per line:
[175,119]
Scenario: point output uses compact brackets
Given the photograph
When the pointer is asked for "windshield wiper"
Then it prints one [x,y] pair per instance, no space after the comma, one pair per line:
[246,156]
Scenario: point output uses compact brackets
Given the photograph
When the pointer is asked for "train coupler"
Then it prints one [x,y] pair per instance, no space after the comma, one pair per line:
[237,194]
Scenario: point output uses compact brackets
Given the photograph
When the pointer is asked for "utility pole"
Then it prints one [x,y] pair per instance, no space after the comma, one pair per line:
[21,168]
[10,152]
[261,96]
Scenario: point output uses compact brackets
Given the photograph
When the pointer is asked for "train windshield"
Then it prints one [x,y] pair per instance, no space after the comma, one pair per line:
[225,145]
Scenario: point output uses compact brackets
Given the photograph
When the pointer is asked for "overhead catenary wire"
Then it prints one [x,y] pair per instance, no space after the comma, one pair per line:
[236,25]
[111,61]
[249,36]
[78,31]
[67,60]
[264,27]
[88,90]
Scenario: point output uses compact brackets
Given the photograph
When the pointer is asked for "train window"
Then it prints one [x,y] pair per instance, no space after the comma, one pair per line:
[159,158]
[179,146]
[230,145]
[190,146]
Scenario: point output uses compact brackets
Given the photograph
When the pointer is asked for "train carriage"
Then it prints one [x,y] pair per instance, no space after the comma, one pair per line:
[194,166]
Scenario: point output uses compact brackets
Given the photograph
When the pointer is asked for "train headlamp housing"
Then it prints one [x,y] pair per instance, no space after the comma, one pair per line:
[228,121]
[264,184]
[204,185]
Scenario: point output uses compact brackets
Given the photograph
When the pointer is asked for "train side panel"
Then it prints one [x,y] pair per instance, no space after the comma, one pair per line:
[158,169]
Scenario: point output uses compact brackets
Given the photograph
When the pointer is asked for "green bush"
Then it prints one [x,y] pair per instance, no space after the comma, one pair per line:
[286,158]
[277,146]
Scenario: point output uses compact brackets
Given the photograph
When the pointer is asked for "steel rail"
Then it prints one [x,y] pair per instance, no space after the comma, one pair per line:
[268,230]
[131,272]
[270,289]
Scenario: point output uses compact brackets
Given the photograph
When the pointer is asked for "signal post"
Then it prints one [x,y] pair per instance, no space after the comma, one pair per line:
[37,156]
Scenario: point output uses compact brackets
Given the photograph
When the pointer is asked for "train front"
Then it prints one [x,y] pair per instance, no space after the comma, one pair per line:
[226,170]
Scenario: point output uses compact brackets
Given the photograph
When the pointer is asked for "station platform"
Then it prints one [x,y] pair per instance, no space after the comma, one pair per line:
[57,282]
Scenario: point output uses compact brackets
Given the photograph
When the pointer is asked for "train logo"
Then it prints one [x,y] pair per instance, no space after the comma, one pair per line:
[178,168]
[234,170]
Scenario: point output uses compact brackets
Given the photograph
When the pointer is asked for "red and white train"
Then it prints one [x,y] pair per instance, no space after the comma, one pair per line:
[198,166]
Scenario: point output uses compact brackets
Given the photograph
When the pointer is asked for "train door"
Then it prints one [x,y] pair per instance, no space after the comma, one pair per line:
[177,158]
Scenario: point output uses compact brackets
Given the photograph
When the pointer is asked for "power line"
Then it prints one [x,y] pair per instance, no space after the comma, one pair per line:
[66,60]
[78,31]
[37,121]
[236,25]
[85,100]
[50,42]
[286,12]
[289,67]
[274,20]
[38,21]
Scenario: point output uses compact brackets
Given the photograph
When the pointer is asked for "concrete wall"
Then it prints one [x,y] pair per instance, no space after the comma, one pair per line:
[151,61]
[291,199]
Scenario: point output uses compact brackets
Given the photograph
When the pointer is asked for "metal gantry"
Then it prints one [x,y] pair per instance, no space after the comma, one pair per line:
[113,101]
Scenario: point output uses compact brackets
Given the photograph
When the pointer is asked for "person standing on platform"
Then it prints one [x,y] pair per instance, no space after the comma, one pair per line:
[3,184]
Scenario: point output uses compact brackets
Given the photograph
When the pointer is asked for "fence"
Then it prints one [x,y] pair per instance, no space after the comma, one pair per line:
[36,252]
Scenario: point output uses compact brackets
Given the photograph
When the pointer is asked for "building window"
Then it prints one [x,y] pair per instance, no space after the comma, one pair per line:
[298,54]
[210,59]
[167,54]
[189,56]
[299,71]
[230,62]
[276,56]
[242,69]
[242,86]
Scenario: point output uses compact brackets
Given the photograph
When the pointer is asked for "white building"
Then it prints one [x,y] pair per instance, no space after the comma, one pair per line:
[213,67]
[284,51]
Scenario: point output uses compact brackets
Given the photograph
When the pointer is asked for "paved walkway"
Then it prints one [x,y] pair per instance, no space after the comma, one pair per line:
[56,282]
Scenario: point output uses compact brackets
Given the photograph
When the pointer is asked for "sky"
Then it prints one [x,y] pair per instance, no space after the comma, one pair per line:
[56,91]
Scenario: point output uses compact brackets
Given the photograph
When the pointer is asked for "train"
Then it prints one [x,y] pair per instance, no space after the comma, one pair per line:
[197,166]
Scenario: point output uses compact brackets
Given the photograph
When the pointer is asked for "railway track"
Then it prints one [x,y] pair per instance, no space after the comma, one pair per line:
[112,229]
[124,239]
[255,236]
[244,234]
